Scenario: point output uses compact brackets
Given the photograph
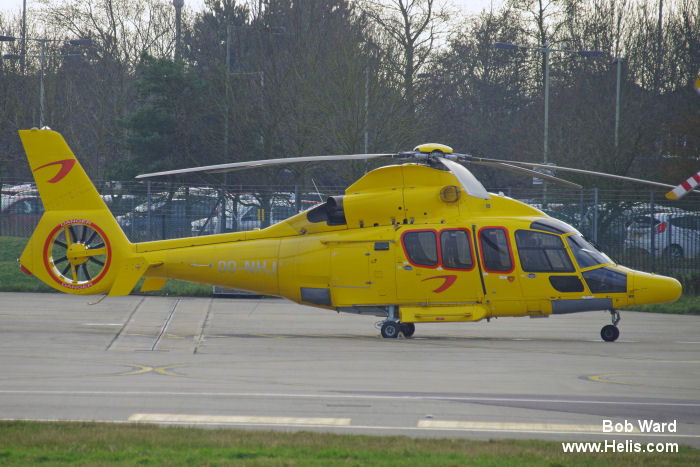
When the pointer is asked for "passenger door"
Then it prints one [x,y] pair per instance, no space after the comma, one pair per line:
[437,267]
[417,260]
[502,287]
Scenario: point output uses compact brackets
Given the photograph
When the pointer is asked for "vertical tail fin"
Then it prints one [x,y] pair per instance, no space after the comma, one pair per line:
[77,247]
[61,181]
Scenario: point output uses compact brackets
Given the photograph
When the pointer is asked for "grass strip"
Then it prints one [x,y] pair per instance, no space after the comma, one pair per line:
[14,280]
[87,443]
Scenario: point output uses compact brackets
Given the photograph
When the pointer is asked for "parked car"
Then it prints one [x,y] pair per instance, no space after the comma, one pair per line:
[247,215]
[168,219]
[673,235]
[20,215]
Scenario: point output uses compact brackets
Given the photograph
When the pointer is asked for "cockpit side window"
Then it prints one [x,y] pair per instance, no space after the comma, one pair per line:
[495,249]
[421,247]
[542,252]
[586,255]
[606,280]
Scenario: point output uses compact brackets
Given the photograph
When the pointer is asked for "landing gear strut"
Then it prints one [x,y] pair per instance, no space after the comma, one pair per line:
[610,333]
[392,327]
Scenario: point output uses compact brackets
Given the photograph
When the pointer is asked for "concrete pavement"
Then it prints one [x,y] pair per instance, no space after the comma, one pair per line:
[269,363]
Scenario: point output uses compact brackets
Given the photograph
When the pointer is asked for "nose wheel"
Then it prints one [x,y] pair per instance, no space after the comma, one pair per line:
[611,332]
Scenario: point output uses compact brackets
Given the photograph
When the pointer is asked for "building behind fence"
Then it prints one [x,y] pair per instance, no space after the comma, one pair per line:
[637,228]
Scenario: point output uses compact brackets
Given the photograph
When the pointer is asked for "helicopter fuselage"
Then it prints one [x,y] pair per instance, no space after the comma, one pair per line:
[406,236]
[409,242]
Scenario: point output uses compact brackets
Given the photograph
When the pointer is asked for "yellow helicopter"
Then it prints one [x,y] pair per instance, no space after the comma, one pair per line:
[417,242]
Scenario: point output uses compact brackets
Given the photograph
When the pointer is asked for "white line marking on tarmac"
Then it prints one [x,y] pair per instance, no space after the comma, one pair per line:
[511,426]
[236,420]
[380,428]
[102,324]
[166,324]
[426,397]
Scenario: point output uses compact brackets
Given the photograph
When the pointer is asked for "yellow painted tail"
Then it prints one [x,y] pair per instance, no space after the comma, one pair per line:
[77,247]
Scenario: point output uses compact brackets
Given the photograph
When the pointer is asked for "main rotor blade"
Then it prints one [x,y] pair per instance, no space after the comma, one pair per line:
[469,182]
[524,171]
[220,168]
[569,169]
[685,187]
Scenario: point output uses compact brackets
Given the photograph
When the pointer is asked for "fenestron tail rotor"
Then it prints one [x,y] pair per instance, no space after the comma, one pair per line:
[77,254]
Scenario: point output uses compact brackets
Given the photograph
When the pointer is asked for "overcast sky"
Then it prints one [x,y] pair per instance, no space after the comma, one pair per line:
[466,6]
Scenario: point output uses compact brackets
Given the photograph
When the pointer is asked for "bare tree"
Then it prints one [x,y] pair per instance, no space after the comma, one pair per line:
[122,28]
[412,28]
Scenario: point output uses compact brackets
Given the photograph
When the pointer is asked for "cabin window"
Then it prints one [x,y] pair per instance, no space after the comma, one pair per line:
[542,252]
[421,247]
[566,283]
[455,249]
[495,249]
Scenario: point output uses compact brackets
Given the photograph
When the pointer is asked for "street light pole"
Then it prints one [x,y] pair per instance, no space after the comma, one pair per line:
[547,51]
[618,60]
[23,48]
[546,102]
[178,4]
[42,62]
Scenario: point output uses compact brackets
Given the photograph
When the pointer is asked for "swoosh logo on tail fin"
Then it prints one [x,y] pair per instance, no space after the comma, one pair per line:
[66,166]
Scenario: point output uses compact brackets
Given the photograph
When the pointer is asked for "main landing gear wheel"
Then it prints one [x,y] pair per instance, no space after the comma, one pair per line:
[407,329]
[390,330]
[611,332]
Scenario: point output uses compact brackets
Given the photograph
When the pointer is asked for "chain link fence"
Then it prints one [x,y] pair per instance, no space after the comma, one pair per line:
[637,228]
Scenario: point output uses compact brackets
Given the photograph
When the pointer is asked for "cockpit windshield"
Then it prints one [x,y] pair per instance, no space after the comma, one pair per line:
[586,254]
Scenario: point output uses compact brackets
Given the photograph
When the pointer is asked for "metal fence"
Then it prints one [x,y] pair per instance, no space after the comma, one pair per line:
[155,211]
[637,228]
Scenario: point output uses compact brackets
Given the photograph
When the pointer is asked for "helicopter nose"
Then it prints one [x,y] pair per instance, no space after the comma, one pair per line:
[652,288]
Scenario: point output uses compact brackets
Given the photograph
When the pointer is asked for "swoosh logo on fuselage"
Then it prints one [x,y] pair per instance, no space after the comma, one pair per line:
[448,281]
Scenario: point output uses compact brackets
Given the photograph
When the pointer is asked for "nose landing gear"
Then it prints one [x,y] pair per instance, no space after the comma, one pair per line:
[610,333]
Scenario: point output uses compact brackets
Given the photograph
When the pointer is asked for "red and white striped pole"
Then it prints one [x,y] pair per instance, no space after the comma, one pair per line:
[683,189]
